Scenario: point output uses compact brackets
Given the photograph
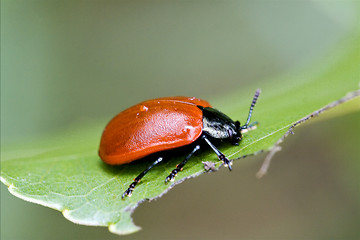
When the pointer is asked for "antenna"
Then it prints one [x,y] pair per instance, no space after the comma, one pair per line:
[255,98]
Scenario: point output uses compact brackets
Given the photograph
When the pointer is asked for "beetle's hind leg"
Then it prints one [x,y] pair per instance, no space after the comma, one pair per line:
[180,166]
[131,187]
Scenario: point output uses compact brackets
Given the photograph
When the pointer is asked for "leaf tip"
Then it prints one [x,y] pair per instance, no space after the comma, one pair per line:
[123,229]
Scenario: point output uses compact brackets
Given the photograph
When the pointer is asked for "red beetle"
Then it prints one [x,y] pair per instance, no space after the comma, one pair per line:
[158,125]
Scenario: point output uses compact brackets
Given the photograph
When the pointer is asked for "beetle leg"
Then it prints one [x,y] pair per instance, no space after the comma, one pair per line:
[180,166]
[131,187]
[220,155]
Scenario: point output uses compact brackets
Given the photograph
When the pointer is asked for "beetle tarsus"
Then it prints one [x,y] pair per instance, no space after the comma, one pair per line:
[228,164]
[128,192]
[172,175]
[170,178]
[226,161]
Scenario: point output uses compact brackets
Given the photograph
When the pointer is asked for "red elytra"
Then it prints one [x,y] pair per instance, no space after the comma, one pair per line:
[162,124]
[151,126]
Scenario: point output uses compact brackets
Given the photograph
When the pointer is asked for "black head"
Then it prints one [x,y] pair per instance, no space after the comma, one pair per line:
[219,126]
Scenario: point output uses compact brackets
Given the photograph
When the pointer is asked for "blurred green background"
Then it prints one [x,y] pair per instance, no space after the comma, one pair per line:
[67,62]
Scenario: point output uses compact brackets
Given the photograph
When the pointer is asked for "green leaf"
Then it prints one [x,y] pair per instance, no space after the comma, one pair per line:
[65,172]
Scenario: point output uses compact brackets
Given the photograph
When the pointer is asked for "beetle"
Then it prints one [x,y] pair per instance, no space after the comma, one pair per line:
[160,125]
